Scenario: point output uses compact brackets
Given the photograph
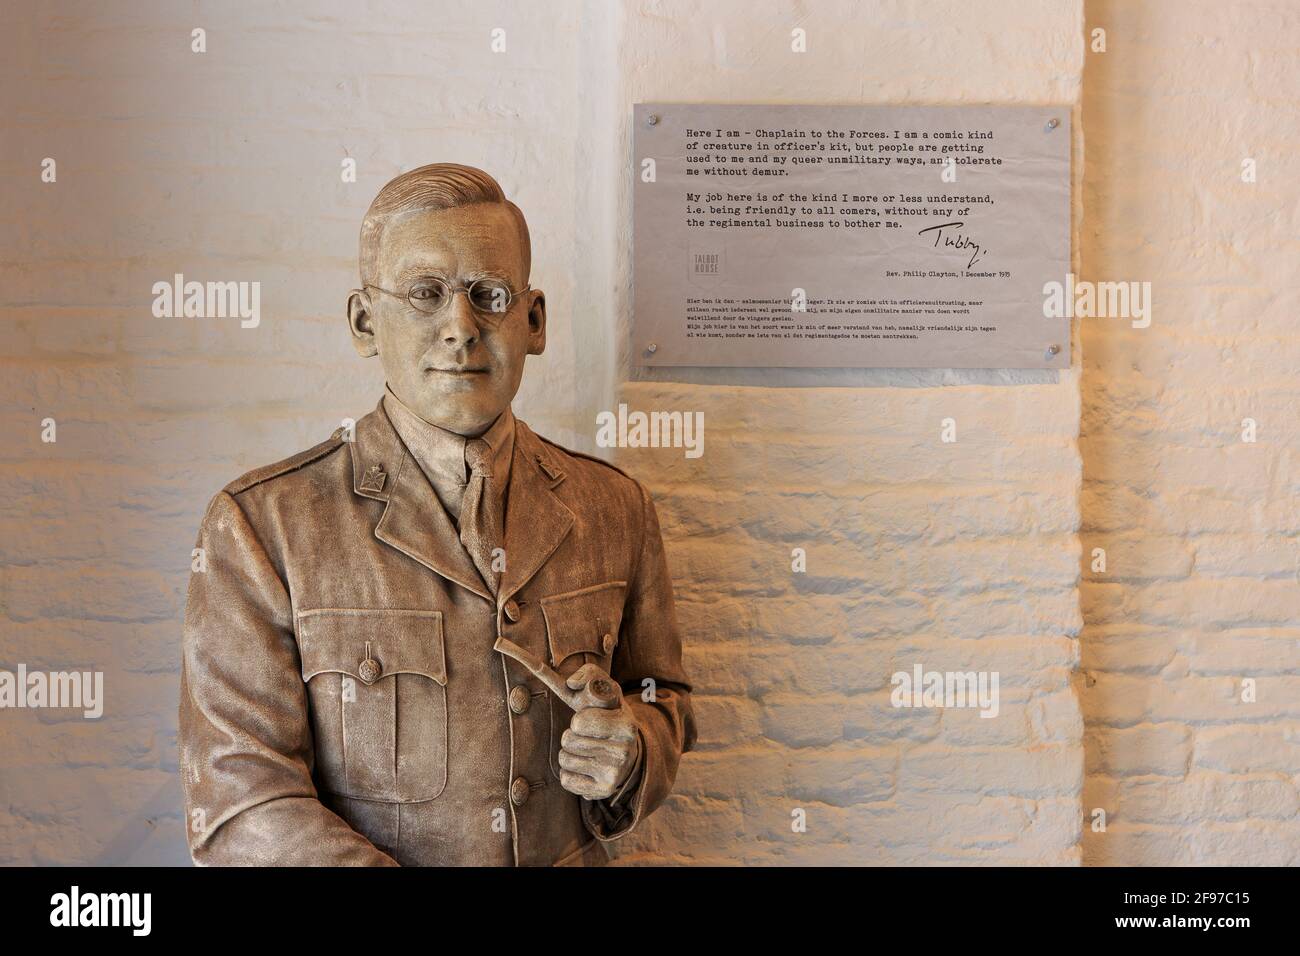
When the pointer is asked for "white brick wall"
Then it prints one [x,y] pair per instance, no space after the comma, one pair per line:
[959,556]
[917,553]
[1199,528]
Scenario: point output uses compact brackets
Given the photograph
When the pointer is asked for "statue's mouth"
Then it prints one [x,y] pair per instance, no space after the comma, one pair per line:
[459,371]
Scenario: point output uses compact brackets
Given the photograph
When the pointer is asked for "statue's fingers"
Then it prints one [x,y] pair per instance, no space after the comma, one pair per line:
[584,746]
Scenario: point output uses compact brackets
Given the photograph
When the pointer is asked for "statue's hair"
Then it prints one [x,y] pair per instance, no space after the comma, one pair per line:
[435,186]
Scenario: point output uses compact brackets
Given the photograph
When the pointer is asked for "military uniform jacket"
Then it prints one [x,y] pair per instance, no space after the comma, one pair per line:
[342,702]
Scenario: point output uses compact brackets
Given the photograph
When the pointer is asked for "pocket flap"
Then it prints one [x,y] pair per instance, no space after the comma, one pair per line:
[401,642]
[577,622]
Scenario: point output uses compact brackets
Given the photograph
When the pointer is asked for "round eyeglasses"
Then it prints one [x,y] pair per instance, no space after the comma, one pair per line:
[432,294]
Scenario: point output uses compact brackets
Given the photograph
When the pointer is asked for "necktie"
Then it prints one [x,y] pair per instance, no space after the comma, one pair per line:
[480,522]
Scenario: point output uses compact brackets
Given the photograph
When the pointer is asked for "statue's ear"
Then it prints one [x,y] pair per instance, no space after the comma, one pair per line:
[537,323]
[361,323]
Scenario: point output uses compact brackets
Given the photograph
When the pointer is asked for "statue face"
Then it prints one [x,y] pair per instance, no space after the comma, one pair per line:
[458,368]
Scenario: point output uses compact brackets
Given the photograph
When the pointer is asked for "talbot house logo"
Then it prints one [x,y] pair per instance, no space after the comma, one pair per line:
[705,263]
[208,300]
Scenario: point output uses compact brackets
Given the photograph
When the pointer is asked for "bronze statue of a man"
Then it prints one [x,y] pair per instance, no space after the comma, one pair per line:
[440,639]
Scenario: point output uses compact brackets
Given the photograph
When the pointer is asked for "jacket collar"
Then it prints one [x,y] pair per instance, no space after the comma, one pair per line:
[415,522]
[441,453]
[537,521]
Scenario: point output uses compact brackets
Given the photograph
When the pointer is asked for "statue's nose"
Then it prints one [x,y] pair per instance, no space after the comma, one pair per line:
[460,329]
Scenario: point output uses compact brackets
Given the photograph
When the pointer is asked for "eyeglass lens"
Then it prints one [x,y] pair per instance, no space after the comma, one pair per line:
[431,294]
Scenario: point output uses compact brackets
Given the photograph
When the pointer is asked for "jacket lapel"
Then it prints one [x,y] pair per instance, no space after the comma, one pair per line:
[537,521]
[414,520]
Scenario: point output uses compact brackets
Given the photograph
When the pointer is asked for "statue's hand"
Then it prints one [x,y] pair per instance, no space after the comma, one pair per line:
[599,751]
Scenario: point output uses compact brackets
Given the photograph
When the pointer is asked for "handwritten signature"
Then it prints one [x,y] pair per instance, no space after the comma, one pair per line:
[955,241]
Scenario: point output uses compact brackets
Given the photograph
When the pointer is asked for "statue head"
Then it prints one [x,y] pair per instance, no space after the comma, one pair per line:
[444,300]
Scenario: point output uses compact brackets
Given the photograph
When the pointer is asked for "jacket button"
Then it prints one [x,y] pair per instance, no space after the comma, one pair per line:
[512,610]
[369,670]
[520,698]
[519,791]
[608,642]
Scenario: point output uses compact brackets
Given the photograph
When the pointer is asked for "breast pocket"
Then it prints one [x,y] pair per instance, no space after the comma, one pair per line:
[581,628]
[376,680]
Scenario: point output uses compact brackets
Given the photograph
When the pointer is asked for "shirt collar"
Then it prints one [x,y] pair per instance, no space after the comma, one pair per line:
[441,453]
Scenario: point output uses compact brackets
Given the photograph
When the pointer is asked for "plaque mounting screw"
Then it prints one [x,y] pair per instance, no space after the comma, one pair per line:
[652,119]
[1053,123]
[1053,350]
[652,348]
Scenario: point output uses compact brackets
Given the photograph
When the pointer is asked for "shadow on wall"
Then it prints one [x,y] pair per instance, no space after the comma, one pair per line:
[1102,124]
[843,377]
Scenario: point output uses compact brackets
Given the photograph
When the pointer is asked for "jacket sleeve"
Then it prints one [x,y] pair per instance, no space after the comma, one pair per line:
[245,736]
[648,666]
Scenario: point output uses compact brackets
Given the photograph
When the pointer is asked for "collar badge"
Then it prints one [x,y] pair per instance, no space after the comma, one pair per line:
[373,480]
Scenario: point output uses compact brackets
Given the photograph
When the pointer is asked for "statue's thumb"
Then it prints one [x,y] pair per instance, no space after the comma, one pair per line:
[583,676]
